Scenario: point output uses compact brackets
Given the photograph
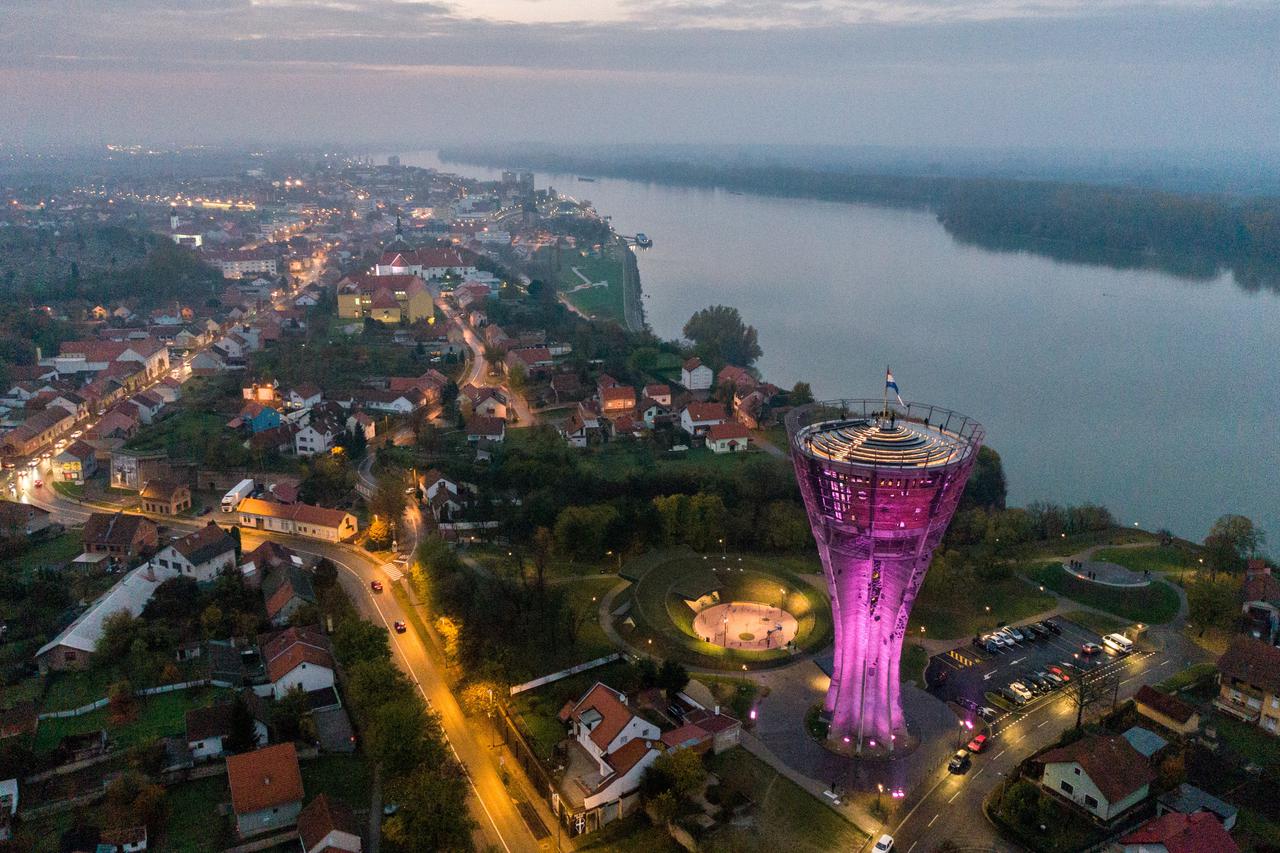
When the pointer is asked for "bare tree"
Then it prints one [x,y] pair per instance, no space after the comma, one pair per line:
[1087,689]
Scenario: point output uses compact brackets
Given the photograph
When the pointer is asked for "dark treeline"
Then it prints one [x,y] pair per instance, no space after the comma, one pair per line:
[1187,235]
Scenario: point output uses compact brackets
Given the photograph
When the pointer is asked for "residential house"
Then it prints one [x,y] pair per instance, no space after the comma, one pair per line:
[659,393]
[120,424]
[429,263]
[433,482]
[147,405]
[266,789]
[256,417]
[1101,774]
[1260,602]
[297,519]
[696,376]
[73,646]
[617,399]
[385,298]
[162,497]
[297,658]
[484,400]
[95,356]
[203,555]
[653,412]
[320,434]
[392,402]
[261,392]
[1188,800]
[534,361]
[8,807]
[22,521]
[566,388]
[285,590]
[208,729]
[36,431]
[1167,711]
[1249,683]
[327,825]
[697,419]
[304,396]
[119,534]
[270,555]
[278,439]
[735,378]
[76,463]
[129,839]
[728,437]
[1180,833]
[481,428]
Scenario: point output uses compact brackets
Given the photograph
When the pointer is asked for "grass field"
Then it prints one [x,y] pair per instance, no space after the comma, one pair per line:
[1155,604]
[1100,623]
[604,302]
[343,777]
[538,708]
[156,716]
[632,834]
[1163,559]
[664,621]
[787,817]
[48,554]
[944,614]
[193,824]
[618,460]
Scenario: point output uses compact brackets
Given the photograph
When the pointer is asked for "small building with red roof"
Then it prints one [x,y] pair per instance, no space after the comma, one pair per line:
[1180,833]
[1102,774]
[266,789]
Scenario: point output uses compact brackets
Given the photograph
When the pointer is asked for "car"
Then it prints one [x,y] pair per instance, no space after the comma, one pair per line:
[1090,648]
[1118,643]
[77,433]
[884,845]
[1012,633]
[376,586]
[1003,638]
[986,712]
[39,483]
[1038,680]
[1034,686]
[1020,689]
[1053,627]
[1041,631]
[1053,677]
[389,809]
[34,463]
[959,762]
[978,743]
[400,626]
[967,704]
[1009,696]
[1061,673]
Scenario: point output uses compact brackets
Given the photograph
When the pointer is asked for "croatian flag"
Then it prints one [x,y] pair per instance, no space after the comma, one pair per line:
[889,383]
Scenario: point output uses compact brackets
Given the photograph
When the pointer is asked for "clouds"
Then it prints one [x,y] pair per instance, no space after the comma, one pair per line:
[1104,72]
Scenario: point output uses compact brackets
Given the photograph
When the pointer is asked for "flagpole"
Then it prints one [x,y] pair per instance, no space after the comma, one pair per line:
[887,371]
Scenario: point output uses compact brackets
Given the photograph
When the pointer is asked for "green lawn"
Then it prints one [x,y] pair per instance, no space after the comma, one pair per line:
[604,302]
[1248,741]
[946,614]
[786,816]
[185,428]
[1155,604]
[343,777]
[664,621]
[1154,558]
[632,834]
[48,554]
[914,659]
[538,708]
[75,491]
[72,689]
[1099,623]
[193,824]
[156,716]
[1199,672]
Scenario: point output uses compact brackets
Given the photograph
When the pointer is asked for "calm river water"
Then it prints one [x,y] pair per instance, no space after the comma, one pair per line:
[1153,395]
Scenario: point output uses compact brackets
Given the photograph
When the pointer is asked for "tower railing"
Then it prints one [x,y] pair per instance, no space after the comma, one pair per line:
[966,432]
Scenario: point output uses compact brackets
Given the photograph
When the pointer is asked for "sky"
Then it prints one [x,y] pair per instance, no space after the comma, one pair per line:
[1199,75]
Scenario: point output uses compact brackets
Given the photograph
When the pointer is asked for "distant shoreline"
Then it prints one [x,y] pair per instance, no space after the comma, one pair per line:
[1190,236]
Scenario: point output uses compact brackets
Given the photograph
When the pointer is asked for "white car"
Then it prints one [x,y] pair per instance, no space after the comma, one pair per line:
[1118,643]
[1019,688]
[884,845]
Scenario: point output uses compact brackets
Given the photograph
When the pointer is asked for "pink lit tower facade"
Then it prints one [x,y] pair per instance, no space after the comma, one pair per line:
[880,483]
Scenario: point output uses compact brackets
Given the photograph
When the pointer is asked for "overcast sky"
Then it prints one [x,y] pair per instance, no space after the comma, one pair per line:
[1089,74]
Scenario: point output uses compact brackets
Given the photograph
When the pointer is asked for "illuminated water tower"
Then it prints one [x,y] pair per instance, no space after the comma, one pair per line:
[880,483]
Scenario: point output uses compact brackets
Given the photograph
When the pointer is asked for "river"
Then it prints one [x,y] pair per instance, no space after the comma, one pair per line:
[1153,395]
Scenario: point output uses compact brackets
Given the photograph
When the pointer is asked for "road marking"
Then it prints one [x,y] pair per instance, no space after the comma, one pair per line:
[1163,662]
[979,773]
[1016,662]
[1047,720]
[988,675]
[935,817]
[1127,680]
[1000,753]
[953,796]
[913,846]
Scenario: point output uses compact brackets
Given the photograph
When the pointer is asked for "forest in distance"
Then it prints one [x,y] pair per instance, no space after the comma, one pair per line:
[1195,236]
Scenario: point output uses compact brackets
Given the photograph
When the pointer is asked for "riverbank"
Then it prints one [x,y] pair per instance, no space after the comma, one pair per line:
[603,286]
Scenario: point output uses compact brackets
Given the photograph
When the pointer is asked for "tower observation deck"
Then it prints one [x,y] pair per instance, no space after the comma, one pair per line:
[880,483]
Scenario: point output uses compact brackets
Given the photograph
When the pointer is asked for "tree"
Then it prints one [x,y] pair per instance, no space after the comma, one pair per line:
[1213,602]
[542,546]
[120,700]
[672,677]
[131,800]
[357,639]
[449,632]
[378,535]
[680,772]
[401,736]
[580,531]
[1232,540]
[291,716]
[721,337]
[433,812]
[801,394]
[1084,691]
[119,631]
[665,807]
[986,487]
[244,734]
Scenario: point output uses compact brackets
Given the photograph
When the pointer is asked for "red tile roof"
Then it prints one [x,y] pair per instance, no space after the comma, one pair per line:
[1253,662]
[323,815]
[608,704]
[728,431]
[1184,833]
[264,778]
[1111,762]
[629,754]
[1164,703]
[295,655]
[705,411]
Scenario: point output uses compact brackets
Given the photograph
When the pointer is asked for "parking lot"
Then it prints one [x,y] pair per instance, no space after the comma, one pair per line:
[966,674]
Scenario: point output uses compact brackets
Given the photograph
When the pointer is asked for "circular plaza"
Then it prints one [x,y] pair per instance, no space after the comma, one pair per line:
[746,625]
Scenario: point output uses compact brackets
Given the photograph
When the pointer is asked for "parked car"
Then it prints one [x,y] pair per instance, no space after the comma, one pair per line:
[1016,698]
[959,762]
[967,704]
[1005,638]
[401,627]
[992,646]
[884,845]
[1020,689]
[978,743]
[1061,673]
[1090,648]
[1041,631]
[1038,680]
[1053,677]
[376,586]
[1053,627]
[1015,634]
[1033,685]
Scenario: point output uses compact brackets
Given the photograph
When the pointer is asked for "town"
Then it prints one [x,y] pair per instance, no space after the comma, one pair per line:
[354,505]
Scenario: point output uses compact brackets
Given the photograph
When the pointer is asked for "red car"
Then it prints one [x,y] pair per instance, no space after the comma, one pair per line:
[1060,672]
[376,586]
[39,483]
[978,743]
[401,627]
